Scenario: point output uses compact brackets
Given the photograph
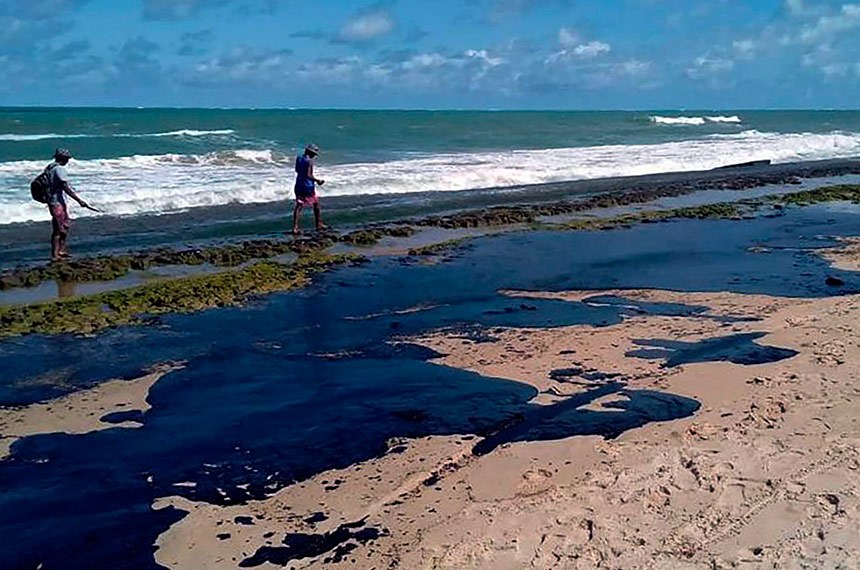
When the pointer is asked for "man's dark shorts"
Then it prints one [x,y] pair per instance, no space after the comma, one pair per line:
[59,218]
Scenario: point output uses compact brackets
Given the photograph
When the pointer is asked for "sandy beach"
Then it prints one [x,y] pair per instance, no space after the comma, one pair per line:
[662,391]
[765,475]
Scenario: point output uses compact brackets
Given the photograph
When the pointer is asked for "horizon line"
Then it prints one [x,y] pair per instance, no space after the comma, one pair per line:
[433,109]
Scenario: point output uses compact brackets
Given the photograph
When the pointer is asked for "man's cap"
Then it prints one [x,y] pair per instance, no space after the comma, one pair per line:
[62,153]
[313,148]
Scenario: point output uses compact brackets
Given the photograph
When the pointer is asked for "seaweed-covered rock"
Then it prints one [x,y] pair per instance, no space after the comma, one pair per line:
[109,267]
[371,235]
[87,314]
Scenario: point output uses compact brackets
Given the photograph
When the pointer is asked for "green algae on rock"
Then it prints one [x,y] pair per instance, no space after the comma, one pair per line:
[838,193]
[722,210]
[439,247]
[183,295]
[727,210]
[109,267]
[371,236]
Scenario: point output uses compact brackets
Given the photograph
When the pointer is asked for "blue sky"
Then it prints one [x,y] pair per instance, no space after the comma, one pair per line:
[530,54]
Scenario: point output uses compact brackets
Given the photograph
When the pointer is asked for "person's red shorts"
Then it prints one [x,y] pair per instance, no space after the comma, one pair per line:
[59,218]
[311,200]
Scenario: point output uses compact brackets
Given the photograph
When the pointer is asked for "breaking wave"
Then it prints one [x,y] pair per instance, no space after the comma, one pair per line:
[50,136]
[172,182]
[694,121]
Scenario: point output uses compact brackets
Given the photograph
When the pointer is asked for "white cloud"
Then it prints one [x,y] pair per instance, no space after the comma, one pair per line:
[744,49]
[815,35]
[483,56]
[826,27]
[592,49]
[819,56]
[832,70]
[828,61]
[634,68]
[568,37]
[336,71]
[572,44]
[795,7]
[573,47]
[799,9]
[709,68]
[424,61]
[367,26]
[240,65]
[418,71]
[177,9]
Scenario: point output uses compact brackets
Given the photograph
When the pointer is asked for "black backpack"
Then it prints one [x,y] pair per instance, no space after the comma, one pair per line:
[40,187]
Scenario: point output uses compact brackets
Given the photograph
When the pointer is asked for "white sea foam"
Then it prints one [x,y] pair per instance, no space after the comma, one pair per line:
[723,119]
[157,184]
[678,120]
[48,136]
[39,137]
[694,121]
[186,133]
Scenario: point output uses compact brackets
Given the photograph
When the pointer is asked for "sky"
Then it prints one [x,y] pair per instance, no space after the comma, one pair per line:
[475,54]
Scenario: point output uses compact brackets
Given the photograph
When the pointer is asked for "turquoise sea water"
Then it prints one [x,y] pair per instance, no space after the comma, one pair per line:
[133,161]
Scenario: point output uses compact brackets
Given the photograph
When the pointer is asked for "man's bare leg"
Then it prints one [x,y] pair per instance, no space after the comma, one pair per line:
[55,246]
[64,233]
[296,213]
[64,237]
[318,217]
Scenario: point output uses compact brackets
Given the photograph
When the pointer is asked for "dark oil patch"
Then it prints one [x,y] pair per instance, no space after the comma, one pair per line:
[316,518]
[121,417]
[578,375]
[566,418]
[737,349]
[297,546]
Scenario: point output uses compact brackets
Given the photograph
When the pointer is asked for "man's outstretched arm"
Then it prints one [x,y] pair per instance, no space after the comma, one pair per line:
[311,175]
[71,192]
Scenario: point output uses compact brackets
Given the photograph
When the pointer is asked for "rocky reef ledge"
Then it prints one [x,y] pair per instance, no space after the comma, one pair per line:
[183,295]
[255,272]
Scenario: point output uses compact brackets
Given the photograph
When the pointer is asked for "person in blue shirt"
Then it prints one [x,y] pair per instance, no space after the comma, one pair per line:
[306,187]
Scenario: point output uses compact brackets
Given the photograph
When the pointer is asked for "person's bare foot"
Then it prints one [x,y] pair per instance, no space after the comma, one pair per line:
[297,232]
[65,255]
[322,228]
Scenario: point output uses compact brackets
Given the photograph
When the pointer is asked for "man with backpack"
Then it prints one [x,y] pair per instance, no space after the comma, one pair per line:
[50,187]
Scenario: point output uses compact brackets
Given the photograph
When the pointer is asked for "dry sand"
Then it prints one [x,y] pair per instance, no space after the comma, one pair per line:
[79,412]
[765,475]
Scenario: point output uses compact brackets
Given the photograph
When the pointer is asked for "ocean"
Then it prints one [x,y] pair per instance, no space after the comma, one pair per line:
[152,161]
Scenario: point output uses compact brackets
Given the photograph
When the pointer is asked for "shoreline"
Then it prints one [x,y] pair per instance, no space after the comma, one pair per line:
[205,226]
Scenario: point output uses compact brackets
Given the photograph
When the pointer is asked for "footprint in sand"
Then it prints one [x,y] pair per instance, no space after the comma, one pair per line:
[535,482]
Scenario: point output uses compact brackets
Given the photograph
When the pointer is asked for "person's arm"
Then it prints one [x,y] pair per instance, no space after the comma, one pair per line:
[61,177]
[311,174]
[71,192]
